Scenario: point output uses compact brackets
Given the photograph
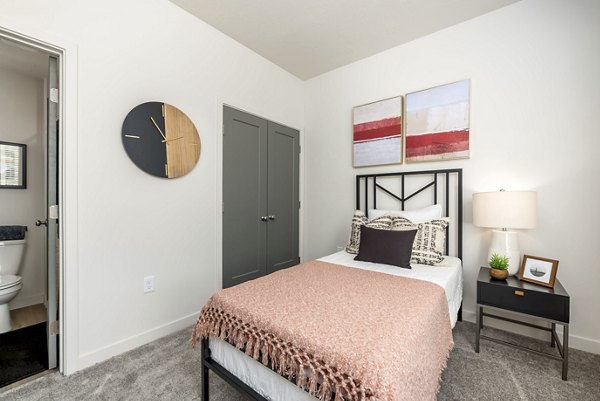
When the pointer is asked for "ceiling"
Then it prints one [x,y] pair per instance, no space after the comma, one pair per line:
[23,59]
[310,37]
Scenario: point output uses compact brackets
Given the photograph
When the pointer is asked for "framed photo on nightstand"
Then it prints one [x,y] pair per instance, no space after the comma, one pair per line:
[537,270]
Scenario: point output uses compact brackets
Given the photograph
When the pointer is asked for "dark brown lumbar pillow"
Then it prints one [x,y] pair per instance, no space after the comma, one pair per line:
[386,246]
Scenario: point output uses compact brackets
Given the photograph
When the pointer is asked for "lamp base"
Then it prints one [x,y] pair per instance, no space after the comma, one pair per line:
[506,243]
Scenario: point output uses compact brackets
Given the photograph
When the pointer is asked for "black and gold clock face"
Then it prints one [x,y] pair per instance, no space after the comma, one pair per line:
[161,140]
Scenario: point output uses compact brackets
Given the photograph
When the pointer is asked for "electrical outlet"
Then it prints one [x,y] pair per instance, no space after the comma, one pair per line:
[148,284]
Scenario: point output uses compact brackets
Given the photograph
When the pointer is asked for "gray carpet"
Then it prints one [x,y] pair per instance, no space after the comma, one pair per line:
[168,370]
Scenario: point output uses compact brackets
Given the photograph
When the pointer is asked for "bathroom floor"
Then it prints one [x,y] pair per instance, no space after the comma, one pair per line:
[24,350]
[28,316]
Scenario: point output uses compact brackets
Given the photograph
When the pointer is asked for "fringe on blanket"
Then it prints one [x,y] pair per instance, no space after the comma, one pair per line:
[324,382]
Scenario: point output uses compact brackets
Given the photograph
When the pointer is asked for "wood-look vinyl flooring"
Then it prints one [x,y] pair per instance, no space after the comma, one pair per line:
[28,316]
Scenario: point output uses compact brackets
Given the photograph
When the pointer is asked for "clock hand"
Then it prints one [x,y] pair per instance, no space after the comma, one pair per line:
[158,128]
[174,139]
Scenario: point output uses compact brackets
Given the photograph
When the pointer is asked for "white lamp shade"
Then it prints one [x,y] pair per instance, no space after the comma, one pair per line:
[505,209]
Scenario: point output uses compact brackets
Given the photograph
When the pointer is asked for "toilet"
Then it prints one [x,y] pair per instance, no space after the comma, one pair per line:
[11,256]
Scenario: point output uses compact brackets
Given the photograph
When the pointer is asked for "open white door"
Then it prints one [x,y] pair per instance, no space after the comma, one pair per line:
[52,212]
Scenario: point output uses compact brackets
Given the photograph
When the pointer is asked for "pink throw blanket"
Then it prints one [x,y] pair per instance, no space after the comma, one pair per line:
[363,335]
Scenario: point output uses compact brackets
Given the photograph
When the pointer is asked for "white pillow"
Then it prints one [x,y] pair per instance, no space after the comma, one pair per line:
[416,216]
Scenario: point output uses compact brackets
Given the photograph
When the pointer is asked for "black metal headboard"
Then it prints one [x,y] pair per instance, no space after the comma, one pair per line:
[445,184]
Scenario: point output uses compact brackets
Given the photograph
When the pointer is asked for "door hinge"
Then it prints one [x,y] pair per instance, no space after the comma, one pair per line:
[54,95]
[53,212]
[54,328]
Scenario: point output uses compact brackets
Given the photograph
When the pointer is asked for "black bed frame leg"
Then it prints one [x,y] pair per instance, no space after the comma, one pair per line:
[205,353]
[459,317]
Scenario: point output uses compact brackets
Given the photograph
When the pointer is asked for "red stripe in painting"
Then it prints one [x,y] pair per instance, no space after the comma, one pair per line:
[386,122]
[437,144]
[377,133]
[379,129]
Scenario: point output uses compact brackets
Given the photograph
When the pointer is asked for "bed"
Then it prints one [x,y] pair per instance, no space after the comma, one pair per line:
[260,379]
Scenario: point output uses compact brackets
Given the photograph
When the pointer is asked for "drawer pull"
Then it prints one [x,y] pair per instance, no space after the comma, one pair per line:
[519,293]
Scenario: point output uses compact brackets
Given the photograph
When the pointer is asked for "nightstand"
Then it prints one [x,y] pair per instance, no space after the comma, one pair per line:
[526,300]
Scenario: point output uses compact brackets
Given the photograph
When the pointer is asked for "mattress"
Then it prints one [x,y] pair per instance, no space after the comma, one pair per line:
[447,274]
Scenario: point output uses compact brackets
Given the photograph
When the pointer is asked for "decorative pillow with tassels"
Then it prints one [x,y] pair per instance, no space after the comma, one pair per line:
[359,219]
[428,248]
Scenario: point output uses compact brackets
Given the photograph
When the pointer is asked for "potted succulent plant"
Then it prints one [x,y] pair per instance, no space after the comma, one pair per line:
[498,266]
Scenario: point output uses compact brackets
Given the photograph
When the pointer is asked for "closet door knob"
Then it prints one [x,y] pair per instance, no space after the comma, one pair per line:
[272,217]
[264,218]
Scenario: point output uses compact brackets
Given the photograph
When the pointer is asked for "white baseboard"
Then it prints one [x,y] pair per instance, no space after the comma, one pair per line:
[101,354]
[22,302]
[581,343]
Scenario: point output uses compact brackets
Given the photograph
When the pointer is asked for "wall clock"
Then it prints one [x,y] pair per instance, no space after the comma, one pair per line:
[161,140]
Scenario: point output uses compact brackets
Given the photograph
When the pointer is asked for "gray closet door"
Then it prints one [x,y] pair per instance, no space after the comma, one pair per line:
[282,197]
[260,196]
[244,196]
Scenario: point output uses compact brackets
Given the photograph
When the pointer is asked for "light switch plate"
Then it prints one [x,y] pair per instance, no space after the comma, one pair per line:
[148,284]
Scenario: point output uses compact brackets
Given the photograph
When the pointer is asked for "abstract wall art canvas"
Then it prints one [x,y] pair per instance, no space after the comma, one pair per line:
[437,123]
[378,133]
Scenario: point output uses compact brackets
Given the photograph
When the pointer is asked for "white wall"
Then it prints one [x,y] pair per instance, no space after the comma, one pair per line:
[130,224]
[22,117]
[534,77]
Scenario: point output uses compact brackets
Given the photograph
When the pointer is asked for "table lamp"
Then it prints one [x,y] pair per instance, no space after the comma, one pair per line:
[504,210]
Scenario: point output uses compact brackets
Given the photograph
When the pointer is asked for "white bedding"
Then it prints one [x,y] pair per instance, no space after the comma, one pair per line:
[447,274]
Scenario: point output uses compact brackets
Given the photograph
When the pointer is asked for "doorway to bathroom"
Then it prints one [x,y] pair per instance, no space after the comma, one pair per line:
[30,242]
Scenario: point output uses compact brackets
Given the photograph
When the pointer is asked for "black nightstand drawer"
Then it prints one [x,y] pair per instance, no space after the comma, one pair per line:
[533,303]
[518,296]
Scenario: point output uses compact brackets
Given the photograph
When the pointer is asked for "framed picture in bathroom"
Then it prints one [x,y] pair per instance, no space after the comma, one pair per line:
[13,165]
